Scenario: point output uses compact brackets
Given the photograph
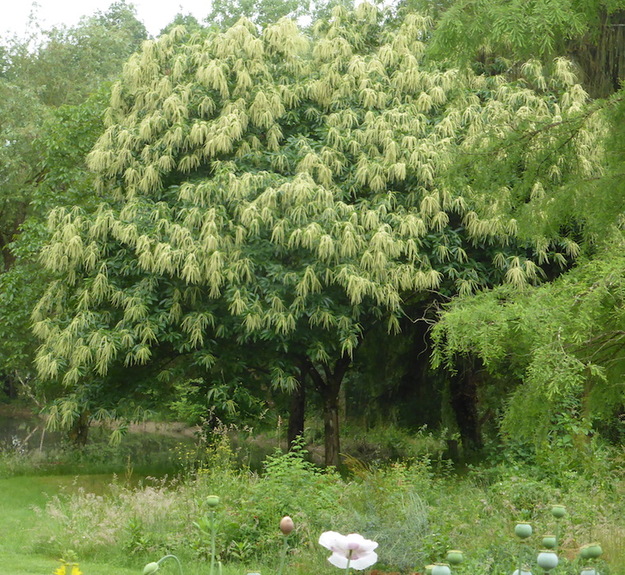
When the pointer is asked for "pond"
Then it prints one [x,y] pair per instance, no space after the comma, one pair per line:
[22,431]
[149,448]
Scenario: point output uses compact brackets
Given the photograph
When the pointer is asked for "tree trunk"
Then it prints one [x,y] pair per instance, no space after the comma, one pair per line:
[464,402]
[329,386]
[331,426]
[79,432]
[8,385]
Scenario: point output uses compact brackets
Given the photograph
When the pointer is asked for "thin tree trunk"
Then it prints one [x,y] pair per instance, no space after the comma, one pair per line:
[331,428]
[79,432]
[329,386]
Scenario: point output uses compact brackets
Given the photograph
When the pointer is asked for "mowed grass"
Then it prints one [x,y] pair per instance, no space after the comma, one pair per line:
[19,496]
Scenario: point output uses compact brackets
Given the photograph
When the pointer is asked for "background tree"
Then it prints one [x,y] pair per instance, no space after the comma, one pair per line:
[555,351]
[226,13]
[496,35]
[50,115]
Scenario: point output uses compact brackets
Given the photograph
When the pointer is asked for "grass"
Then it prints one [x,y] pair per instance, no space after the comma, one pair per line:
[18,498]
[461,515]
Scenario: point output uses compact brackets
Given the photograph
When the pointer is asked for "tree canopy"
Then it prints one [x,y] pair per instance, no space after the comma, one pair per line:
[286,193]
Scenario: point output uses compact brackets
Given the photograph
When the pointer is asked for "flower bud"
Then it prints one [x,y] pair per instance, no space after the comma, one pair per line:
[212,500]
[286,525]
[150,568]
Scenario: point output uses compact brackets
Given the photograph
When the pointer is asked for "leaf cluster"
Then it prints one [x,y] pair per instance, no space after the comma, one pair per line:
[559,345]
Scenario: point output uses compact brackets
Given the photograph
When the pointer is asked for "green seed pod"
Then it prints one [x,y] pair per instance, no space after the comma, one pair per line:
[523,530]
[212,500]
[549,541]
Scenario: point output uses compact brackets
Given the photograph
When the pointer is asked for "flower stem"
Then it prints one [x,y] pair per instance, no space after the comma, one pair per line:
[213,537]
[171,557]
[285,548]
[349,558]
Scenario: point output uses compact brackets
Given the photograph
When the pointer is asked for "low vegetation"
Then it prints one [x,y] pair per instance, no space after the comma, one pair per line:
[416,509]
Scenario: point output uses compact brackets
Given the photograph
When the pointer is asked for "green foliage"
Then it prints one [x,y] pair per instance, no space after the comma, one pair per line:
[228,402]
[226,13]
[64,137]
[415,515]
[518,30]
[293,193]
[388,442]
[156,518]
[387,503]
[51,87]
[138,453]
[497,36]
[65,65]
[559,346]
[20,116]
[287,475]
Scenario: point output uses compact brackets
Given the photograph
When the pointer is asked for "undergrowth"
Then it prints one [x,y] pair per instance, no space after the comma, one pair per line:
[416,508]
[415,513]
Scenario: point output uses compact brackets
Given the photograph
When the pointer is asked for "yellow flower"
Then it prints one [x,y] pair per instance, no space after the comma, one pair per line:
[65,569]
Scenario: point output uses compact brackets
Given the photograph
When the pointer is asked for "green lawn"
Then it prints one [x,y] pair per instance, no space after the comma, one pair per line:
[18,497]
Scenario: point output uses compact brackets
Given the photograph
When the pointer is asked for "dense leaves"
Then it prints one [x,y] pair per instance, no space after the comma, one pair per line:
[561,346]
[291,193]
[267,199]
[53,86]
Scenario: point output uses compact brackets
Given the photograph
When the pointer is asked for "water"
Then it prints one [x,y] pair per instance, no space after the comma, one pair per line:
[26,447]
[23,433]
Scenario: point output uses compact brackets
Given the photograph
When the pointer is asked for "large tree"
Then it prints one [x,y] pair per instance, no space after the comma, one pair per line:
[274,198]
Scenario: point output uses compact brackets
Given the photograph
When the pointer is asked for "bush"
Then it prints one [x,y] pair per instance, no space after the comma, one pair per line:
[158,517]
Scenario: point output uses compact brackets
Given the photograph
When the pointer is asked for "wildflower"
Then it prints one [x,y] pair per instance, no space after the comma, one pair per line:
[68,569]
[351,550]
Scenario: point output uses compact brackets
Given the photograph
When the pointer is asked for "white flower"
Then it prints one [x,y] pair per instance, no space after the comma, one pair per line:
[352,549]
